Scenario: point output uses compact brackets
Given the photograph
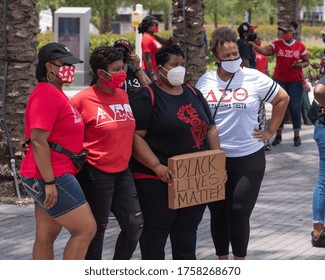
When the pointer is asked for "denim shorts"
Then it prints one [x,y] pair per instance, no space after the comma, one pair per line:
[70,194]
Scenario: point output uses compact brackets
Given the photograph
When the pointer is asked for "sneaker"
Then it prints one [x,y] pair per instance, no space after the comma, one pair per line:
[297,141]
[277,140]
[320,241]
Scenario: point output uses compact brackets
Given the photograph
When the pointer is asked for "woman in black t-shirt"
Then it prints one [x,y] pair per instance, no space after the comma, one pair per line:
[171,120]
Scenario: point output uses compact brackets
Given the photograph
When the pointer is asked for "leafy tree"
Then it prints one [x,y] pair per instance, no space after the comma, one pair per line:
[289,10]
[236,11]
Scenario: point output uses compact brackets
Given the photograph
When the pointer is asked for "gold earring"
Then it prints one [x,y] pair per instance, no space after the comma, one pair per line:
[47,76]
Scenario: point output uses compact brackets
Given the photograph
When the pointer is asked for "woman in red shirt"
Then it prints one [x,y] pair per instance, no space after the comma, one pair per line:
[149,44]
[291,58]
[48,176]
[106,178]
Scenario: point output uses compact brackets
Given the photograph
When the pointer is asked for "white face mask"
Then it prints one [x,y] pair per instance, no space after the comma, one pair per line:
[175,76]
[231,66]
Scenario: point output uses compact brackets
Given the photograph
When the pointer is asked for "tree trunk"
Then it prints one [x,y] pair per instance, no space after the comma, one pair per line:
[105,23]
[190,35]
[17,76]
[289,10]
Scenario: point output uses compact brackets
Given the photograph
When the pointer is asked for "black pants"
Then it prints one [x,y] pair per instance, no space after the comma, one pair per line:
[161,222]
[114,192]
[230,217]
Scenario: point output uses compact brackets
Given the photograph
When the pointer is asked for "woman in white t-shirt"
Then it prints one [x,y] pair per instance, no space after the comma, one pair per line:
[238,91]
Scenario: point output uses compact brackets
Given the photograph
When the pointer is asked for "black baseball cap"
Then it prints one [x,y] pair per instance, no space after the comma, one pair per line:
[245,26]
[55,50]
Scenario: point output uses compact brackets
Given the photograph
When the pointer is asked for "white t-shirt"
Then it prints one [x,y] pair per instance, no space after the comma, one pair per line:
[237,115]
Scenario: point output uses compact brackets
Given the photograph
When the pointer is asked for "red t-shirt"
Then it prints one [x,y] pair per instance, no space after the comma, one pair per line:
[286,55]
[261,62]
[149,44]
[48,108]
[109,128]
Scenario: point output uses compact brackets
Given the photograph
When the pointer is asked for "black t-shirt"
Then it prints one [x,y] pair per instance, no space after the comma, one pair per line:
[132,83]
[175,124]
[247,52]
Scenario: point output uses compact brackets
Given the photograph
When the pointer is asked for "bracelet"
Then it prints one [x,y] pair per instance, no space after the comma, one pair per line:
[50,183]
[137,70]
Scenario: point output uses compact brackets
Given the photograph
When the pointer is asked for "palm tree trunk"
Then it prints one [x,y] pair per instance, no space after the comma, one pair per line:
[289,10]
[17,75]
[188,19]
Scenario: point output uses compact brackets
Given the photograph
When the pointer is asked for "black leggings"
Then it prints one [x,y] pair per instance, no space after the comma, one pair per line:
[230,217]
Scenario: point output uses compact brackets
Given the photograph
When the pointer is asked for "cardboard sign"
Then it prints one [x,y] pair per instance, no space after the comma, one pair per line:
[199,178]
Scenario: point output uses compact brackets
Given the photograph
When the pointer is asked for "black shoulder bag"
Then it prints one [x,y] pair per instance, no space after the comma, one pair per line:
[79,160]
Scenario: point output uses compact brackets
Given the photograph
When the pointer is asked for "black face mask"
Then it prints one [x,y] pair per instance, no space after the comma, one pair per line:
[252,37]
[323,38]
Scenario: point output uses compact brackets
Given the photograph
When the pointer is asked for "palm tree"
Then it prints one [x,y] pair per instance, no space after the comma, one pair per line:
[18,43]
[188,19]
[289,10]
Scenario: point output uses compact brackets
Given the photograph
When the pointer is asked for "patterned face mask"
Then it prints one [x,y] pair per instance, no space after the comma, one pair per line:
[66,73]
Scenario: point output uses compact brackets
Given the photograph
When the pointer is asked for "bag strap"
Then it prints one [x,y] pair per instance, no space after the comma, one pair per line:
[191,88]
[60,149]
[55,147]
[153,95]
[222,96]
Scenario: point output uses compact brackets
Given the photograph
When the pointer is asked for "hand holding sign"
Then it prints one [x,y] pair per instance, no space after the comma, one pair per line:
[164,173]
[199,178]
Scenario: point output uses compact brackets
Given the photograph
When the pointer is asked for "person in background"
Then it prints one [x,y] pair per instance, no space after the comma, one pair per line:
[291,58]
[149,45]
[168,123]
[240,91]
[261,60]
[248,56]
[318,202]
[106,179]
[49,177]
[135,76]
[321,65]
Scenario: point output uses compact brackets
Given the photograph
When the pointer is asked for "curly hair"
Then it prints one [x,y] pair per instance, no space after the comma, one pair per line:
[103,56]
[145,23]
[164,53]
[221,35]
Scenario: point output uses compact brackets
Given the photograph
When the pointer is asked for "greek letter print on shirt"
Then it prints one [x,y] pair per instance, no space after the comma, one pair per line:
[238,112]
[119,113]
[188,114]
[109,126]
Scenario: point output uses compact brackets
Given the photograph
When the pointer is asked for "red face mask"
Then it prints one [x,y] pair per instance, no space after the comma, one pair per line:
[287,36]
[117,81]
[155,29]
[66,73]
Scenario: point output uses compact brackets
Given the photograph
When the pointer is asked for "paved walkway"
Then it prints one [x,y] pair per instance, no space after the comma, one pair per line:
[280,224]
